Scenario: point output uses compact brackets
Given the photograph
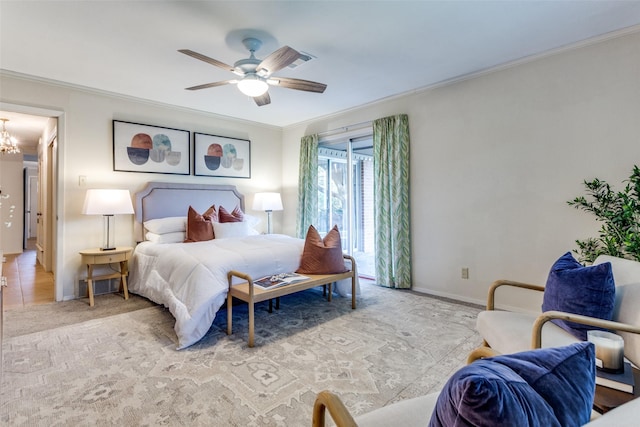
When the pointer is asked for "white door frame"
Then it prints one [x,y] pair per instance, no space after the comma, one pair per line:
[56,186]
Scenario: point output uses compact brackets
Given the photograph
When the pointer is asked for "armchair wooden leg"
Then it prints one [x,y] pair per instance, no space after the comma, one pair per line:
[339,413]
[481,353]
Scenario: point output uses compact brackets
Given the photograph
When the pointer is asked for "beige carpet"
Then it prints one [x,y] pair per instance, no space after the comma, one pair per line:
[124,370]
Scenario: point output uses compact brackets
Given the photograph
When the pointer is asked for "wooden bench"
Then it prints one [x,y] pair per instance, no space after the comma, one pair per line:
[251,294]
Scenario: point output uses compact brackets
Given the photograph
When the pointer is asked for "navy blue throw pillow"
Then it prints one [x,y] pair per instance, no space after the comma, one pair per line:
[544,387]
[573,288]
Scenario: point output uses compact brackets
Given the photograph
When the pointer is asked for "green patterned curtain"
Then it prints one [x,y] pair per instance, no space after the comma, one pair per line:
[391,188]
[307,185]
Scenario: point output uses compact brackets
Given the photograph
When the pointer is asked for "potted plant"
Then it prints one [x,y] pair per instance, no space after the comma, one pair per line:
[619,212]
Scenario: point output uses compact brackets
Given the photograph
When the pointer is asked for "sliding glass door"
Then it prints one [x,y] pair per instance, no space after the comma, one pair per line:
[345,197]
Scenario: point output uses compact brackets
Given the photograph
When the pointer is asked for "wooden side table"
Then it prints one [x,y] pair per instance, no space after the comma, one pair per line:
[607,398]
[93,257]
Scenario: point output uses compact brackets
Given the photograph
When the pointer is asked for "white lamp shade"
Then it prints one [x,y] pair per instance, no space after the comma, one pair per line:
[107,202]
[267,202]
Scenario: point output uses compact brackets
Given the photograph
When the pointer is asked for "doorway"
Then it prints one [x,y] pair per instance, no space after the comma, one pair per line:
[37,132]
[345,197]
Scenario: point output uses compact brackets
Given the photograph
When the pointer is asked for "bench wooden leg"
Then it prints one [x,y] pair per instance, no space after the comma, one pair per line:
[251,323]
[330,291]
[229,313]
[353,292]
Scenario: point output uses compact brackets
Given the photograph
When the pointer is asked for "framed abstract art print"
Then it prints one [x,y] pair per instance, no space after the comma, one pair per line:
[221,156]
[146,148]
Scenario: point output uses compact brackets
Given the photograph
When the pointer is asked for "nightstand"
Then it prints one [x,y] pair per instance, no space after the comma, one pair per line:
[607,399]
[93,257]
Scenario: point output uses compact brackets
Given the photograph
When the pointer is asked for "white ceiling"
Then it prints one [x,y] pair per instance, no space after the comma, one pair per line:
[366,50]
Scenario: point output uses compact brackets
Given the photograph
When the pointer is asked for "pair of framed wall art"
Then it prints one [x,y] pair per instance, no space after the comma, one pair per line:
[156,149]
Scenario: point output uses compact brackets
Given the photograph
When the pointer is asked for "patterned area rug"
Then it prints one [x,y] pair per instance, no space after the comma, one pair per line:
[124,369]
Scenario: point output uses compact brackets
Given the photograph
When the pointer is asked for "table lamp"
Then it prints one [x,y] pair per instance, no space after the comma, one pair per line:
[267,202]
[107,202]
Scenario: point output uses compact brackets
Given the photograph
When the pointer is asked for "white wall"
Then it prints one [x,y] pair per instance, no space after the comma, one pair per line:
[495,158]
[85,148]
[11,202]
[493,161]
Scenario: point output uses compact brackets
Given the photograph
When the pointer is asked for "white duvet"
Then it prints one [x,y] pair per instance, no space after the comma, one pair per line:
[191,278]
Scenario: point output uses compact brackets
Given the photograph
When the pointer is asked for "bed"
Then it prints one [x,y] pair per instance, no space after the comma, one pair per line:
[190,279]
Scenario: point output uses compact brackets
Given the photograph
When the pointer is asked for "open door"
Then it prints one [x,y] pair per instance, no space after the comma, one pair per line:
[30,203]
[40,240]
[46,212]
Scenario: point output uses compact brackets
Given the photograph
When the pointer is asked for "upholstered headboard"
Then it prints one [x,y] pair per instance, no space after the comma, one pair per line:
[167,199]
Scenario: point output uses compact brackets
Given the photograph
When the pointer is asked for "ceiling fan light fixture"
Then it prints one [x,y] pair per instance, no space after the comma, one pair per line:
[252,85]
[255,75]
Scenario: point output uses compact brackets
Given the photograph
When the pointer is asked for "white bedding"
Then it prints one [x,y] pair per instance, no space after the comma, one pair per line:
[191,278]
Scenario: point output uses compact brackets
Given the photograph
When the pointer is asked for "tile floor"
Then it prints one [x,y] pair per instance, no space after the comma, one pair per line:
[27,282]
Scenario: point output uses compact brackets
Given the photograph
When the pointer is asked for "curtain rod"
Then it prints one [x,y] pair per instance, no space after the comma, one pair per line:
[345,129]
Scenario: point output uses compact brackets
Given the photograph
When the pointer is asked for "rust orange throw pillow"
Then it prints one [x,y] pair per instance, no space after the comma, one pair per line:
[235,216]
[322,256]
[199,227]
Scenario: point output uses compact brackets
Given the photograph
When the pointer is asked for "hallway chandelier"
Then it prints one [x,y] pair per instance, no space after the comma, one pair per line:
[8,144]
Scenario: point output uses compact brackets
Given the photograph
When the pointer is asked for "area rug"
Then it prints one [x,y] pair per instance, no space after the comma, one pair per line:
[124,370]
[36,318]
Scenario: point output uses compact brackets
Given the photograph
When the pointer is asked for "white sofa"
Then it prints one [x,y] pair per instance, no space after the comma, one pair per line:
[511,332]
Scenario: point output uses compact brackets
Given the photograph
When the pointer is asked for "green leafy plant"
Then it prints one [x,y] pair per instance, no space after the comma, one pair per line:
[619,212]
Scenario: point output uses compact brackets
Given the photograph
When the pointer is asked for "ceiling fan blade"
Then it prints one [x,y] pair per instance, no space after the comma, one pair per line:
[299,84]
[206,59]
[208,85]
[262,99]
[278,60]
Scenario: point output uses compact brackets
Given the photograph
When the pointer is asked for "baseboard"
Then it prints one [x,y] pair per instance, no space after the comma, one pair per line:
[455,297]
[474,301]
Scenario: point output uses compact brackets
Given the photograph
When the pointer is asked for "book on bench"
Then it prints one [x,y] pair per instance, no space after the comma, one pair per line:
[623,381]
[277,280]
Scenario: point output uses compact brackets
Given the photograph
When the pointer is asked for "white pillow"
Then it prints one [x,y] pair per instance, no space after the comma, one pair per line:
[175,237]
[170,224]
[253,221]
[224,230]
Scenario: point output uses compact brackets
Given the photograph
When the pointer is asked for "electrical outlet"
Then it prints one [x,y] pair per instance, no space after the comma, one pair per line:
[82,180]
[465,272]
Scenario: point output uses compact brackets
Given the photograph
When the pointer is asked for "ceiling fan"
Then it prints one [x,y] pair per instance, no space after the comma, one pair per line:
[256,75]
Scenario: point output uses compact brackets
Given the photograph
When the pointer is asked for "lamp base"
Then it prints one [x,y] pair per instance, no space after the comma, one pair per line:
[109,233]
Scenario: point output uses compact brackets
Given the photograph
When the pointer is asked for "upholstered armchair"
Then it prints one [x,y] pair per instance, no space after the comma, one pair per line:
[509,332]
